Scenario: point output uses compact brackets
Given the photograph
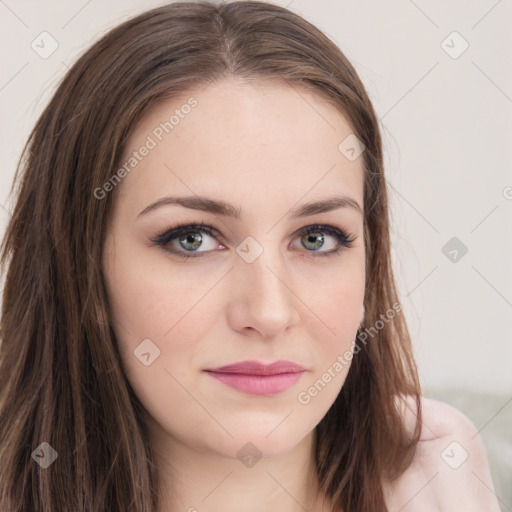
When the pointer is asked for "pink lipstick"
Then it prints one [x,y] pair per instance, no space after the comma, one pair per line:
[259,379]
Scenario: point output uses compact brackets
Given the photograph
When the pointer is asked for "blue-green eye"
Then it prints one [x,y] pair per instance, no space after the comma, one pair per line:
[186,240]
[313,238]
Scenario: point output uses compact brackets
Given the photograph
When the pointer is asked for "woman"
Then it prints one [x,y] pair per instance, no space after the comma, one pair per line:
[199,310]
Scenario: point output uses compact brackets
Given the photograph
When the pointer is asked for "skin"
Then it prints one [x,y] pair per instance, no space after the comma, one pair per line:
[441,477]
[265,149]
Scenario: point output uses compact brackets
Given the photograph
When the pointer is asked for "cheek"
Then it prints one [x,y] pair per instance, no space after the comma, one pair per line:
[336,299]
[148,299]
[169,306]
[335,313]
[165,311]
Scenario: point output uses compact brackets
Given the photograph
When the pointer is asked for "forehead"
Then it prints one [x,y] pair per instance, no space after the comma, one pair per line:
[242,140]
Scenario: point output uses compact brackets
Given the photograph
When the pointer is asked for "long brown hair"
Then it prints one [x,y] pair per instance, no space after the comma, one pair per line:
[61,380]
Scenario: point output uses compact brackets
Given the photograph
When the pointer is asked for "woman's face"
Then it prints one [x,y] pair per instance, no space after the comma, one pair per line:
[256,287]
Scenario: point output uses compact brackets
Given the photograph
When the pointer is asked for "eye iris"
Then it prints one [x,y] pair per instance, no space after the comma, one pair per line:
[310,238]
[191,238]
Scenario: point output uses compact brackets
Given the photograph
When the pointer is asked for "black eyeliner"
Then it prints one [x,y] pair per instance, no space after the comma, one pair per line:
[170,233]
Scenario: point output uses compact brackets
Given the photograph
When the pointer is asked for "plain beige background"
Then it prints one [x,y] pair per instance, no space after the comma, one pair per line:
[439,74]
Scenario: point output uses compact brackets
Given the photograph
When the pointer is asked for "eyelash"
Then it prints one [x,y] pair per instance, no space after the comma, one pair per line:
[169,234]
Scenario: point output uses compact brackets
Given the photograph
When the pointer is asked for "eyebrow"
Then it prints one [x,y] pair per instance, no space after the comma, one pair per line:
[225,209]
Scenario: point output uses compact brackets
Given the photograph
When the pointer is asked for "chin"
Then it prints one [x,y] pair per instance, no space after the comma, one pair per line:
[265,439]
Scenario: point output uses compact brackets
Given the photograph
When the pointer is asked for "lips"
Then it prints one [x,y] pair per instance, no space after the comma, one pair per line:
[256,378]
[256,368]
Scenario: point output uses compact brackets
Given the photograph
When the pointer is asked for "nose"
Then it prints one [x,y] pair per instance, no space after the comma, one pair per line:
[264,298]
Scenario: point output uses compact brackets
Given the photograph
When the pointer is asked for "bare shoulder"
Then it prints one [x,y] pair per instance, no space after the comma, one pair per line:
[438,418]
[450,470]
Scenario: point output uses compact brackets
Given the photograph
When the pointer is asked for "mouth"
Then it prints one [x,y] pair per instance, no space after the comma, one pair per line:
[256,378]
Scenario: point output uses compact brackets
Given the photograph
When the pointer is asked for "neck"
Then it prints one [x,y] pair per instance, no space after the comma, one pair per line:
[199,480]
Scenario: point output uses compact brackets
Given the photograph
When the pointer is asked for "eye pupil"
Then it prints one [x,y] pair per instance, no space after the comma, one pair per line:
[191,238]
[311,239]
